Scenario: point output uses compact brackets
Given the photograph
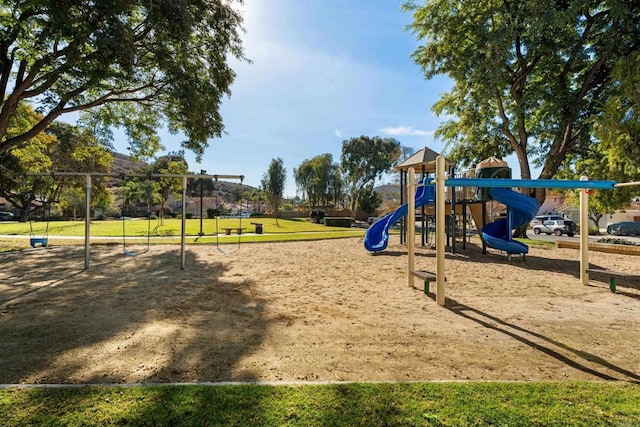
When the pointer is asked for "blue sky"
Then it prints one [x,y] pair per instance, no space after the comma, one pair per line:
[322,71]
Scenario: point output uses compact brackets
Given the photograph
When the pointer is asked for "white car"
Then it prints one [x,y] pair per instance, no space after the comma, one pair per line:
[538,220]
[557,227]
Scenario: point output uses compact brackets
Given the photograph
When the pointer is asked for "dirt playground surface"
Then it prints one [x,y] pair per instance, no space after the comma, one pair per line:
[311,311]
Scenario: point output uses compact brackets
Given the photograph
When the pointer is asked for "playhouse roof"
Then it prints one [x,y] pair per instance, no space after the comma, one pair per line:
[491,162]
[425,157]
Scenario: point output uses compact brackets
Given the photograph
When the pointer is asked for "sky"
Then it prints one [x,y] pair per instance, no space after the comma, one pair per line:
[322,71]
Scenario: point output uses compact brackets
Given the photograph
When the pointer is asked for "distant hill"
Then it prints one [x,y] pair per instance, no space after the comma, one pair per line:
[389,192]
[126,164]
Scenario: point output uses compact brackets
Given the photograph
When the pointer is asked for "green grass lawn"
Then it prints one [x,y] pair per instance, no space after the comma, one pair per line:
[136,231]
[171,227]
[354,404]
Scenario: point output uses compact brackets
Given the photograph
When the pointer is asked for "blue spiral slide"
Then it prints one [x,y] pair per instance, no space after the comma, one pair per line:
[520,210]
[377,236]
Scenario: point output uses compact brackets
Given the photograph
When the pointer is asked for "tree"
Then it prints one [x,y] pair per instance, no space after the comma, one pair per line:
[528,74]
[20,190]
[127,63]
[617,127]
[317,179]
[273,184]
[335,189]
[364,159]
[369,200]
[61,148]
[131,193]
[78,150]
[615,150]
[172,163]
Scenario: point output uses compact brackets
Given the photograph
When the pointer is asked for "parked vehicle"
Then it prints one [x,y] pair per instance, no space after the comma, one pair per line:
[318,216]
[625,228]
[557,227]
[542,218]
[372,219]
[6,216]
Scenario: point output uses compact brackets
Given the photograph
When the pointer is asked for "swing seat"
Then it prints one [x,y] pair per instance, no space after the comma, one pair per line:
[39,242]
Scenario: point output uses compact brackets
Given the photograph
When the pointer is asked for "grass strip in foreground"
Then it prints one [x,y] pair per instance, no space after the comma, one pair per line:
[351,404]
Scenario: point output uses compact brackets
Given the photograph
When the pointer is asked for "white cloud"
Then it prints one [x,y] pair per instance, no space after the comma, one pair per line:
[405,131]
[338,133]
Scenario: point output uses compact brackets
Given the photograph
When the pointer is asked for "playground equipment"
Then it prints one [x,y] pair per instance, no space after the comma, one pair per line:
[441,181]
[520,210]
[40,242]
[89,175]
[125,250]
[228,232]
[377,236]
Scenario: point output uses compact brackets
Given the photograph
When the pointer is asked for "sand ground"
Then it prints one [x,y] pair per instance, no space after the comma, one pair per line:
[311,311]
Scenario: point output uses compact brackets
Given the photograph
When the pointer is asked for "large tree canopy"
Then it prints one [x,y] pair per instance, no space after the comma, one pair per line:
[528,74]
[132,63]
[364,159]
[61,148]
[273,182]
[319,179]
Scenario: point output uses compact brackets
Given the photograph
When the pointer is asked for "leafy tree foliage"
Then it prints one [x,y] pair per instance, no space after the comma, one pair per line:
[137,192]
[128,63]
[78,150]
[273,182]
[319,179]
[364,159]
[194,185]
[369,200]
[528,74]
[61,148]
[616,149]
[172,163]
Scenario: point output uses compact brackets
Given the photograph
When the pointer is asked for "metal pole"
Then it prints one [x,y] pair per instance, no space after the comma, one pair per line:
[411,225]
[584,235]
[202,172]
[440,226]
[87,221]
[184,223]
[143,175]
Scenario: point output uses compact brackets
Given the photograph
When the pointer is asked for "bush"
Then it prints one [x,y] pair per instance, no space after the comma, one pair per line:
[317,216]
[594,231]
[173,214]
[188,215]
[334,221]
[213,212]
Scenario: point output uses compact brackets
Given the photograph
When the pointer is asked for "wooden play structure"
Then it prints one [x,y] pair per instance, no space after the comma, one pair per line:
[441,180]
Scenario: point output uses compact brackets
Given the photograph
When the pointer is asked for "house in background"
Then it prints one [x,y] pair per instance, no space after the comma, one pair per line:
[554,204]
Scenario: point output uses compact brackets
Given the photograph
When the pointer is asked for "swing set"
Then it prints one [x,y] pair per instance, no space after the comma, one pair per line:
[43,241]
[228,232]
[87,229]
[125,250]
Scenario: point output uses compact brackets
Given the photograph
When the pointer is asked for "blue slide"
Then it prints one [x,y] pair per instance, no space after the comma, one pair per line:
[520,210]
[377,236]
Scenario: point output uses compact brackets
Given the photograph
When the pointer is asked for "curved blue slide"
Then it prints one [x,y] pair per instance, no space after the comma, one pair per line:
[377,236]
[520,210]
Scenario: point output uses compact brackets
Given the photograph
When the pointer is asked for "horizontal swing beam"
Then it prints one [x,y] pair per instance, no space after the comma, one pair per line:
[627,184]
[529,183]
[138,175]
